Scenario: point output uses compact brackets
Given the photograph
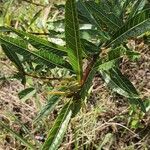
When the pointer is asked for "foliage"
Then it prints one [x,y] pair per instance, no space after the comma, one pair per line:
[112,26]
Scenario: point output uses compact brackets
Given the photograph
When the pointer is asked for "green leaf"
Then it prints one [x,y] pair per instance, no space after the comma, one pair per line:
[120,84]
[26,94]
[138,6]
[48,108]
[104,64]
[125,5]
[14,58]
[56,134]
[93,34]
[4,29]
[114,55]
[85,16]
[72,38]
[109,18]
[84,13]
[59,61]
[40,57]
[134,27]
[89,48]
[112,6]
[37,42]
[76,105]
[133,55]
[147,104]
[117,52]
[139,102]
[107,65]
[16,135]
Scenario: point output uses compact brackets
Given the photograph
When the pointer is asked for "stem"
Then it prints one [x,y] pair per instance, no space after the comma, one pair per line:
[43,77]
[89,67]
[35,76]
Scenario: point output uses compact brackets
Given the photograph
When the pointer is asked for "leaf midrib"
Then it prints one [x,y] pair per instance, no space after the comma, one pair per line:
[128,31]
[77,51]
[125,85]
[30,52]
[63,119]
[41,41]
[119,87]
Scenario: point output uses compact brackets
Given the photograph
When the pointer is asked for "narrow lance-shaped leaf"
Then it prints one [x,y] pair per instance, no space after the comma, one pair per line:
[89,48]
[84,13]
[59,128]
[110,19]
[14,58]
[134,27]
[125,88]
[138,6]
[105,63]
[120,84]
[72,38]
[48,108]
[47,58]
[86,17]
[112,6]
[37,42]
[124,7]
